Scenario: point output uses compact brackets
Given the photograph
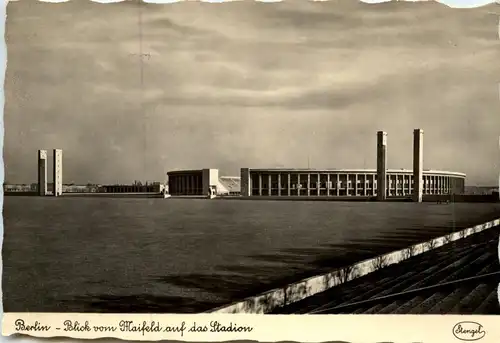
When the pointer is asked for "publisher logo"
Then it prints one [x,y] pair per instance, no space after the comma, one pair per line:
[468,331]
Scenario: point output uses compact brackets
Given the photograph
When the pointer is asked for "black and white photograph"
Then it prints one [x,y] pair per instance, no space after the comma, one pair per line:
[294,157]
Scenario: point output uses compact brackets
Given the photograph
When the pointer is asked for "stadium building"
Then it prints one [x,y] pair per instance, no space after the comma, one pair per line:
[201,182]
[344,182]
[380,183]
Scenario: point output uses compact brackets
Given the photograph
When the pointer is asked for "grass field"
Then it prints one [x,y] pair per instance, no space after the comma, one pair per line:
[152,255]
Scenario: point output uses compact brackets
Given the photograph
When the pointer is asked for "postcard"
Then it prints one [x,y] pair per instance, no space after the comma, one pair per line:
[308,171]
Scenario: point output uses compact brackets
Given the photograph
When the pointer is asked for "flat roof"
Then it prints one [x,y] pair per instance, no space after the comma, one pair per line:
[360,171]
[185,171]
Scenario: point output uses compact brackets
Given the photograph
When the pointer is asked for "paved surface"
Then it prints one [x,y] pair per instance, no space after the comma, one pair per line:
[457,278]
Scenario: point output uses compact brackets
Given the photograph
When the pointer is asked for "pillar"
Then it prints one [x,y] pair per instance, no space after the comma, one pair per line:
[381,165]
[245,182]
[279,184]
[318,185]
[269,185]
[260,184]
[418,162]
[289,181]
[328,184]
[57,173]
[42,172]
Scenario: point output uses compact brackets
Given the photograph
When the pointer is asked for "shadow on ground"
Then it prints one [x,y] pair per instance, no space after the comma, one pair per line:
[232,283]
[136,304]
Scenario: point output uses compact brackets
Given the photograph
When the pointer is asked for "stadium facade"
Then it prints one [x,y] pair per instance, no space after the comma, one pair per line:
[380,183]
[344,182]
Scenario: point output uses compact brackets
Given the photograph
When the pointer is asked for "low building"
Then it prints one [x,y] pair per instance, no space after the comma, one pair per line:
[344,182]
[17,188]
[137,188]
[199,182]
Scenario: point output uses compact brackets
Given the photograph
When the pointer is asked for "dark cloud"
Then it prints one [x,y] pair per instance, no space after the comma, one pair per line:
[130,91]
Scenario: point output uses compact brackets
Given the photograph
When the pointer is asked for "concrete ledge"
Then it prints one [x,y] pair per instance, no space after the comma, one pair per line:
[278,297]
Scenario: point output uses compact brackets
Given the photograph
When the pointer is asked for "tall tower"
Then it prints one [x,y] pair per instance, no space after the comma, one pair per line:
[42,172]
[57,172]
[381,165]
[418,164]
[245,182]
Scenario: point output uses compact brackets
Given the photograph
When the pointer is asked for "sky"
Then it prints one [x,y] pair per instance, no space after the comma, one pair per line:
[132,91]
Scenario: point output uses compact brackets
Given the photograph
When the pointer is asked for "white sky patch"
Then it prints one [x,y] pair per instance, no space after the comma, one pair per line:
[107,1]
[451,3]
[163,1]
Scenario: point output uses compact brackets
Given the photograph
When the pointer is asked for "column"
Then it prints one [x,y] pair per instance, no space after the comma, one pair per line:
[289,183]
[381,165]
[418,162]
[42,172]
[328,184]
[279,184]
[365,184]
[388,185]
[57,172]
[318,185]
[269,186]
[308,184]
[246,185]
[299,184]
[260,184]
[338,184]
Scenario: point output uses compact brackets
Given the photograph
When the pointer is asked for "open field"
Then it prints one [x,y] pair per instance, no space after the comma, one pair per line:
[150,255]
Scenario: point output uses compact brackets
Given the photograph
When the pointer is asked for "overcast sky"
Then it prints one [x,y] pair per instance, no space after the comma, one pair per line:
[249,85]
